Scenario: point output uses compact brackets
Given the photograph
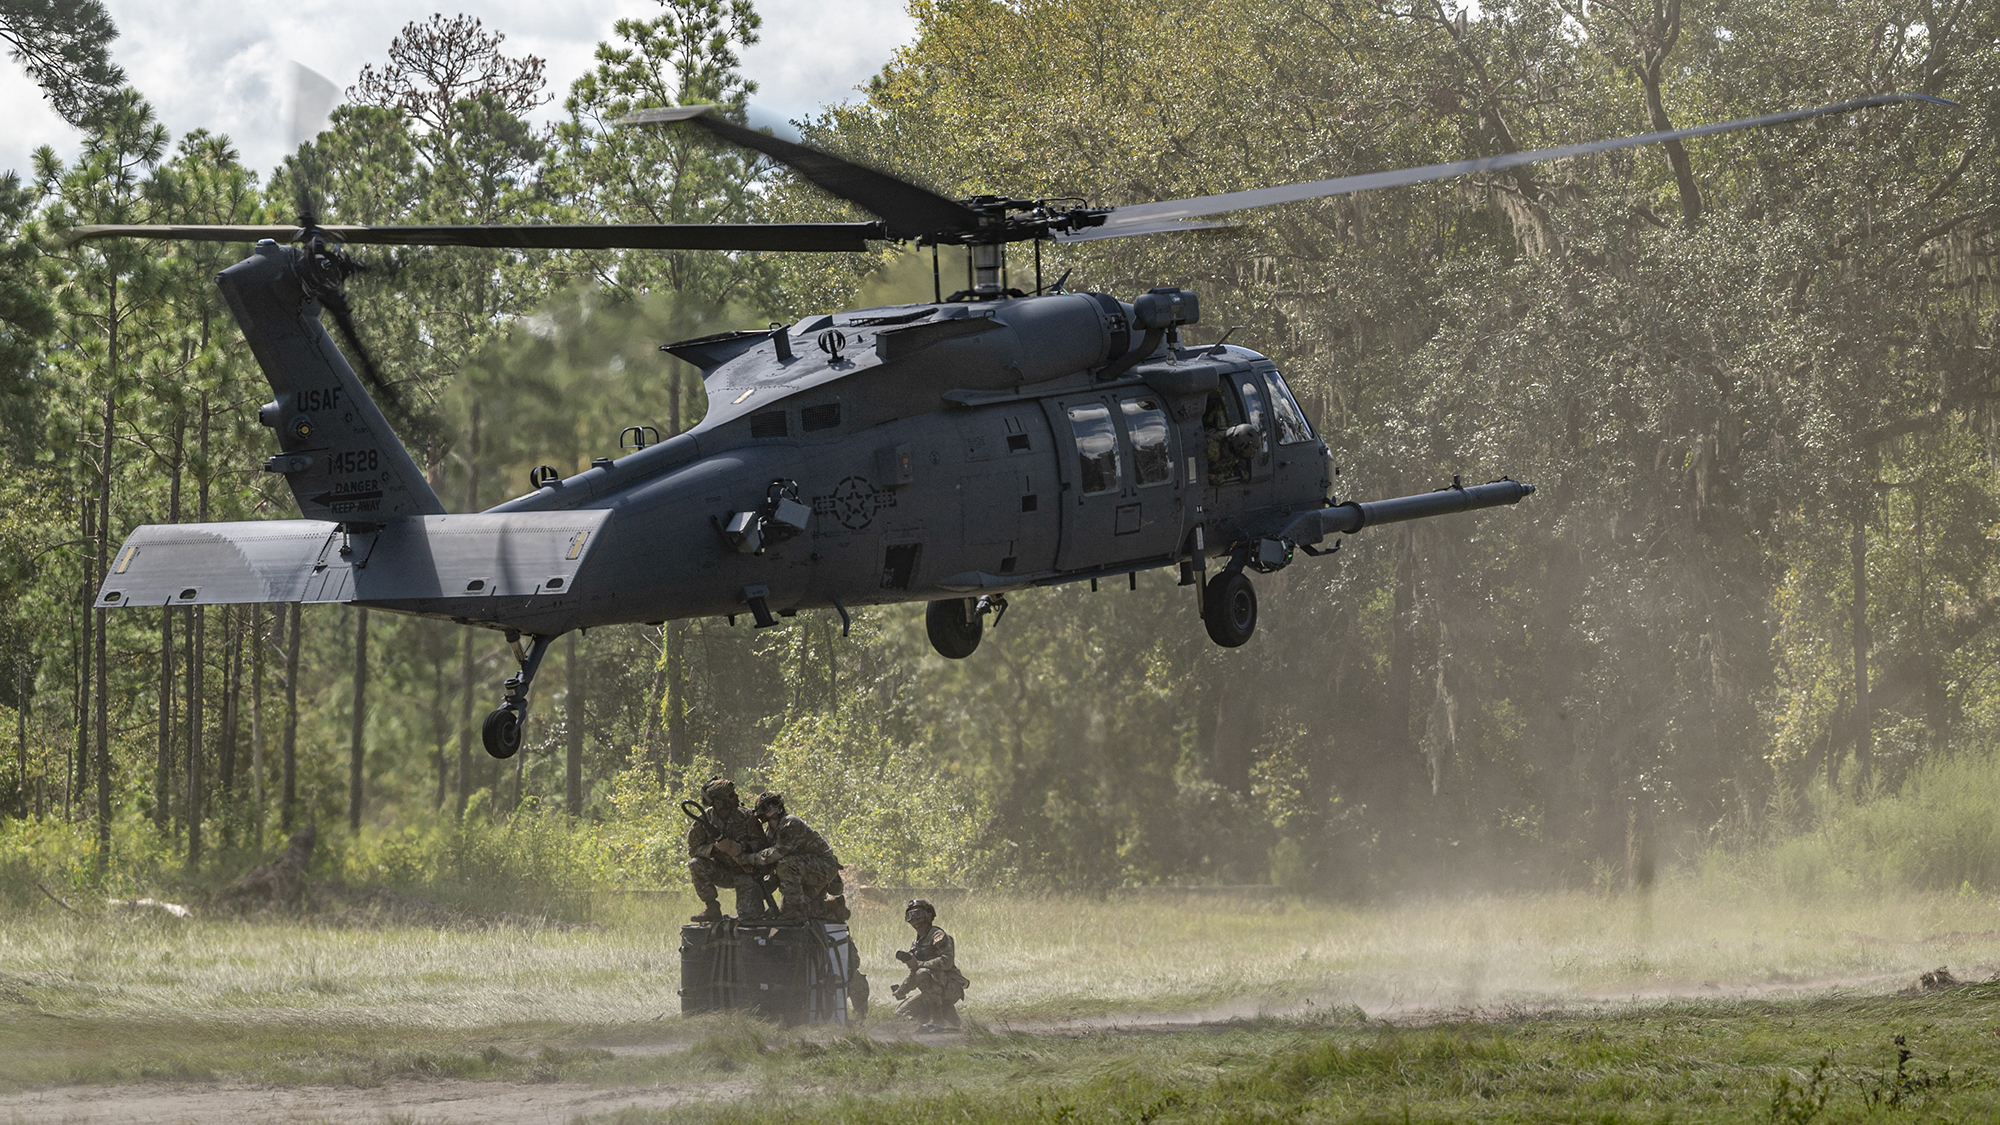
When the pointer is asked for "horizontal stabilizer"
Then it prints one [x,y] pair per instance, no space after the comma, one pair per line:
[459,558]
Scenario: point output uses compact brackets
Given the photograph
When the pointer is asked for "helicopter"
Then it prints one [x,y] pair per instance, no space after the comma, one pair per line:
[953,452]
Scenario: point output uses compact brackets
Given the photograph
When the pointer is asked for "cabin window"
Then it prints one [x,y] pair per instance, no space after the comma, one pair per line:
[1292,425]
[823,417]
[1096,448]
[1152,461]
[769,424]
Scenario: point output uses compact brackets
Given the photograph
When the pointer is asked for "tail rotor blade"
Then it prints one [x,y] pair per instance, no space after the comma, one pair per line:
[334,301]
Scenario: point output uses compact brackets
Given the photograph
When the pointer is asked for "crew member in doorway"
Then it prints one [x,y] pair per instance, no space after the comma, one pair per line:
[1225,456]
[930,994]
[808,871]
[717,844]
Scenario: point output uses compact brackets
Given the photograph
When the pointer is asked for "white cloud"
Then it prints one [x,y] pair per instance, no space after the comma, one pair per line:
[223,65]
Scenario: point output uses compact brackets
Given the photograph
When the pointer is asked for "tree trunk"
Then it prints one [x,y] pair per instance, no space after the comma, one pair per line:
[197,651]
[1652,36]
[163,768]
[287,813]
[78,753]
[649,726]
[354,743]
[21,744]
[573,760]
[464,722]
[1864,718]
[465,641]
[440,726]
[232,715]
[678,751]
[195,658]
[102,764]
[163,763]
[258,640]
[671,634]
[1402,668]
[435,642]
[232,693]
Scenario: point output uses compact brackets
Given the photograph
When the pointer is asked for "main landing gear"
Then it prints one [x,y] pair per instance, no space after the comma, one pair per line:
[1228,600]
[502,730]
[956,624]
[1229,608]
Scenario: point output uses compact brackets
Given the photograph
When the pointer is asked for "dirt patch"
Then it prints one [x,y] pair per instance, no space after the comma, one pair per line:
[434,1103]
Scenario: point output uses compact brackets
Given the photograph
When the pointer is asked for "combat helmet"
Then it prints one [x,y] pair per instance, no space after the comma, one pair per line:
[768,800]
[919,906]
[717,789]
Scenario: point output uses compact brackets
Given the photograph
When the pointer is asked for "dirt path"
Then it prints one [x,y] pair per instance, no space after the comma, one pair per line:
[430,1103]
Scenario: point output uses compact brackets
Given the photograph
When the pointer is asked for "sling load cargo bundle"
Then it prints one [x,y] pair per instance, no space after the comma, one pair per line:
[794,974]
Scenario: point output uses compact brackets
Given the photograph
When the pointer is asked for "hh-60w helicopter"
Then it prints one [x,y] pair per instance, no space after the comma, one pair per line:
[950,452]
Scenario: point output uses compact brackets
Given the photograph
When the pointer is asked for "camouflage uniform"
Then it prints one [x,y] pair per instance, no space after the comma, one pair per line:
[807,870]
[1223,463]
[930,994]
[709,867]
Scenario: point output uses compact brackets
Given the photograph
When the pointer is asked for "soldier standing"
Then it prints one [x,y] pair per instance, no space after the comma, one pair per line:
[930,994]
[807,869]
[717,845]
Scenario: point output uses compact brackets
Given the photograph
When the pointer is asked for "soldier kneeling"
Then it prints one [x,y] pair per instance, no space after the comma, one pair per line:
[930,994]
[717,846]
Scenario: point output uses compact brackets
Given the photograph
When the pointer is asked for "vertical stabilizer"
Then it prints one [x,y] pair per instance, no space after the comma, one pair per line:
[335,447]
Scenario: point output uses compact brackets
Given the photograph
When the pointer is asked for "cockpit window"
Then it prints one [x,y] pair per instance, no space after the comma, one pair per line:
[1253,402]
[1292,425]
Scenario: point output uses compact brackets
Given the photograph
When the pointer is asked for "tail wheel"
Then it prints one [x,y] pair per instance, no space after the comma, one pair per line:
[954,627]
[502,733]
[1229,608]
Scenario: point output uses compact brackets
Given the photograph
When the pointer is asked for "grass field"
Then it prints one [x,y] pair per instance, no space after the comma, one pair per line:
[1574,1006]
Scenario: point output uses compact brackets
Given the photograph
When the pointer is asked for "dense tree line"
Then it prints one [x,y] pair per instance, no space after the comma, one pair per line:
[1753,377]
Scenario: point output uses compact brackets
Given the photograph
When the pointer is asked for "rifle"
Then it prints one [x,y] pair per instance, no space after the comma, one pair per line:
[699,814]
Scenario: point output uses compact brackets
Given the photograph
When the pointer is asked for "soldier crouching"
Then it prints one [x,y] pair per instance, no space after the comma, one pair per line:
[930,994]
[717,845]
[808,872]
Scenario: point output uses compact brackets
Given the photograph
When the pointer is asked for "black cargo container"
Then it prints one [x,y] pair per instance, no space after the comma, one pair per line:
[792,973]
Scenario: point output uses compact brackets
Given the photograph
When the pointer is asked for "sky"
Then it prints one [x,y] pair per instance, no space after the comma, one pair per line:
[225,65]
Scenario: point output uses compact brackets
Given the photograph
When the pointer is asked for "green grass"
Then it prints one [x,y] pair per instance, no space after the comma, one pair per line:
[1828,1060]
[1031,959]
[1692,1004]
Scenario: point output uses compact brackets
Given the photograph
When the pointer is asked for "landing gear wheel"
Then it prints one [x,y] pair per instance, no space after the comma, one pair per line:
[1229,608]
[502,733]
[954,627]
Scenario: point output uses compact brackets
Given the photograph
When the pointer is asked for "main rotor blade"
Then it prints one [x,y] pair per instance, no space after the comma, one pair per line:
[1136,227]
[908,210]
[823,237]
[1374,181]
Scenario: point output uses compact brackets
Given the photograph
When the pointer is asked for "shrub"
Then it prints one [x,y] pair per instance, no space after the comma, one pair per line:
[887,807]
